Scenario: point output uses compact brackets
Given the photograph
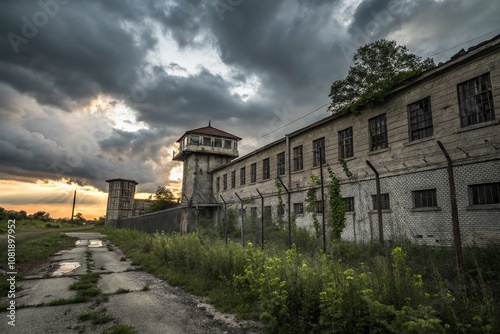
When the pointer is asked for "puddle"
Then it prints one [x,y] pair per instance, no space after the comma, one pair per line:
[95,243]
[65,268]
[82,242]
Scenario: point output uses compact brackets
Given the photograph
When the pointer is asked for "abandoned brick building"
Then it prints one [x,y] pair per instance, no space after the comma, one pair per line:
[452,103]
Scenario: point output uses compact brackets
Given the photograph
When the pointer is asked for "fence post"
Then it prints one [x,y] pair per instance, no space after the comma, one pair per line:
[225,219]
[379,203]
[261,218]
[242,222]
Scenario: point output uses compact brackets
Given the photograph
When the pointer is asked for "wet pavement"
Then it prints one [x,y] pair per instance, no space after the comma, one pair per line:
[135,298]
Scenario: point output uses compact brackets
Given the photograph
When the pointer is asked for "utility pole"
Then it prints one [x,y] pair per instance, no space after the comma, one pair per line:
[73,210]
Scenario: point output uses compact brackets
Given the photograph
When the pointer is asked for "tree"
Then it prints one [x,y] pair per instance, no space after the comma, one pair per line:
[378,68]
[41,215]
[163,199]
[79,216]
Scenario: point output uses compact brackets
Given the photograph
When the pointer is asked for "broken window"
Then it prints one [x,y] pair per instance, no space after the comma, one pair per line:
[281,163]
[346,146]
[378,133]
[420,119]
[195,140]
[297,158]
[319,151]
[475,100]
[266,174]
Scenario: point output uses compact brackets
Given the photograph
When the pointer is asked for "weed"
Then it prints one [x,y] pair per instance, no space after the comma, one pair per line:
[122,290]
[97,317]
[146,288]
[123,258]
[121,329]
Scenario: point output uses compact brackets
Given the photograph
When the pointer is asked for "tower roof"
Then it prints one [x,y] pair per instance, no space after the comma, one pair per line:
[210,130]
[119,179]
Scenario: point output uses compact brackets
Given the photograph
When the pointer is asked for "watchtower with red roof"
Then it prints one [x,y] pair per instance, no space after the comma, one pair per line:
[202,150]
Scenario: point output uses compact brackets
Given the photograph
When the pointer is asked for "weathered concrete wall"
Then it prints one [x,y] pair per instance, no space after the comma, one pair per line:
[120,199]
[404,166]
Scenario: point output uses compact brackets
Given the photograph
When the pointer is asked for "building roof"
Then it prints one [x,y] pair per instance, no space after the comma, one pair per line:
[209,130]
[119,179]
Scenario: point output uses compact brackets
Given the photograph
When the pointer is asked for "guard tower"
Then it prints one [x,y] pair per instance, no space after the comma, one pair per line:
[202,150]
[120,200]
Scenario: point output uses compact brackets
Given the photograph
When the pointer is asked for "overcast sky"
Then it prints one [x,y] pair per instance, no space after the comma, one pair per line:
[92,90]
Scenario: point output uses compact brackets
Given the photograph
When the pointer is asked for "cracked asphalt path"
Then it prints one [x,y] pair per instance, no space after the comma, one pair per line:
[136,298]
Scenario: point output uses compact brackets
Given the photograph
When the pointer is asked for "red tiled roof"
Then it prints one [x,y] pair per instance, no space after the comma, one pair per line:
[209,130]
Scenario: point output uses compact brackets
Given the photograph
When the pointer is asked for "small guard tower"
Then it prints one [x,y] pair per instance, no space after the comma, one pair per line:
[202,150]
[120,200]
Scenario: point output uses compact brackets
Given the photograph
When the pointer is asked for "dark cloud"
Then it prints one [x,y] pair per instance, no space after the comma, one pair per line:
[292,50]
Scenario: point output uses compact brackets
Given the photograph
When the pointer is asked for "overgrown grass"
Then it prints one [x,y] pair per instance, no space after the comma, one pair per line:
[96,317]
[121,329]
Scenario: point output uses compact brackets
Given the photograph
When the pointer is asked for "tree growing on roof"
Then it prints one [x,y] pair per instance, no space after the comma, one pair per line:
[378,68]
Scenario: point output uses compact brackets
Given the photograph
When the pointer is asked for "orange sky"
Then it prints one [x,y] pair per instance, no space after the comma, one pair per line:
[56,197]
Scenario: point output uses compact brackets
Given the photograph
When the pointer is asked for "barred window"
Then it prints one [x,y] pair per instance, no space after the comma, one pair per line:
[420,119]
[242,176]
[253,173]
[233,179]
[319,150]
[217,184]
[346,145]
[281,163]
[384,199]
[424,198]
[349,204]
[266,173]
[319,206]
[298,208]
[475,100]
[297,158]
[227,144]
[224,182]
[378,133]
[483,194]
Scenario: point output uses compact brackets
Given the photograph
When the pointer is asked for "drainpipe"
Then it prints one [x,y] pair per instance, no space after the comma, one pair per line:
[379,203]
[454,210]
[242,220]
[261,218]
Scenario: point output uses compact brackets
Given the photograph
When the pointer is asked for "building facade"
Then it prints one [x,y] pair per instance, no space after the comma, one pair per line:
[454,104]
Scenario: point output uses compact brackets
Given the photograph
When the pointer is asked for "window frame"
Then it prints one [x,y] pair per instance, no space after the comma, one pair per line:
[349,204]
[281,166]
[217,184]
[494,193]
[298,158]
[298,208]
[346,143]
[468,104]
[224,182]
[242,176]
[233,179]
[420,123]
[386,202]
[320,207]
[253,173]
[319,143]
[424,198]
[266,169]
[377,130]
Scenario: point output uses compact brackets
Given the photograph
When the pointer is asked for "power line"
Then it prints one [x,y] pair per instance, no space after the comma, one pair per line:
[285,125]
[464,43]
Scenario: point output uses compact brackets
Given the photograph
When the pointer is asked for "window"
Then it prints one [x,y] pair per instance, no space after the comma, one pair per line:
[233,179]
[319,151]
[267,214]
[242,213]
[217,184]
[207,141]
[195,140]
[297,158]
[346,145]
[265,169]
[424,198]
[298,208]
[227,144]
[349,204]
[378,133]
[217,142]
[483,194]
[253,173]
[281,210]
[281,163]
[475,100]
[224,182]
[319,206]
[253,213]
[242,176]
[420,119]
[385,201]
